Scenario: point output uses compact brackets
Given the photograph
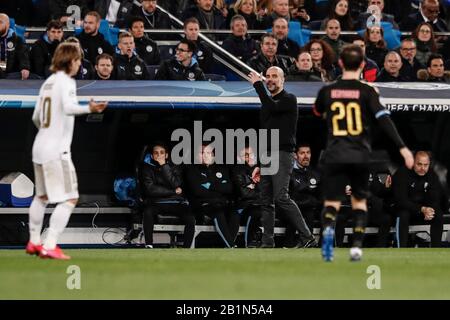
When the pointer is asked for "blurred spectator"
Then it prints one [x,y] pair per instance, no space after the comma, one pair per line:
[43,49]
[146,48]
[92,41]
[246,178]
[264,7]
[371,69]
[14,55]
[162,185]
[410,64]
[128,65]
[207,14]
[391,70]
[183,66]
[305,186]
[286,46]
[417,198]
[333,37]
[435,70]
[20,10]
[268,56]
[115,11]
[303,69]
[153,18]
[211,190]
[303,11]
[428,12]
[339,10]
[375,8]
[425,42]
[376,48]
[86,71]
[104,67]
[58,9]
[445,51]
[356,8]
[247,9]
[222,6]
[280,9]
[203,52]
[322,56]
[239,43]
[41,12]
[177,7]
[399,9]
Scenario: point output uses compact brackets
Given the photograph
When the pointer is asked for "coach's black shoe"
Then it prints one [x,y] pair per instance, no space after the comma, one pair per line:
[253,244]
[267,241]
[310,243]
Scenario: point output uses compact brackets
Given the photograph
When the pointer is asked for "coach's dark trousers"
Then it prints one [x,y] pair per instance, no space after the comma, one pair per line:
[178,209]
[406,217]
[275,192]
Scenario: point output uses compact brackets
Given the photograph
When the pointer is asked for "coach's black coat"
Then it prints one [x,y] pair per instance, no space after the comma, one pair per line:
[209,184]
[17,57]
[304,187]
[279,112]
[147,50]
[41,55]
[412,191]
[242,178]
[173,70]
[133,68]
[94,46]
[158,182]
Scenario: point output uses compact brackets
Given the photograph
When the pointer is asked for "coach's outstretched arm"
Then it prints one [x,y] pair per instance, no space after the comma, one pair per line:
[389,128]
[274,106]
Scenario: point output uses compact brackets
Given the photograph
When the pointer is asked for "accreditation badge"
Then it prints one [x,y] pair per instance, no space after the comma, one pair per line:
[3,65]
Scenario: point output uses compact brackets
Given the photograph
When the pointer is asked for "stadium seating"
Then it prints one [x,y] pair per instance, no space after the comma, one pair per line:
[297,33]
[19,30]
[391,35]
[111,34]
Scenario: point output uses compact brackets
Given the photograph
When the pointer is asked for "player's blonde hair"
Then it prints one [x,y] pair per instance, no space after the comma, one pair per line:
[64,55]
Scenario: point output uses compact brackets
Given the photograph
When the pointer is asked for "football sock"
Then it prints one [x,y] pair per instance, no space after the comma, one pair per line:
[329,217]
[36,218]
[360,218]
[58,221]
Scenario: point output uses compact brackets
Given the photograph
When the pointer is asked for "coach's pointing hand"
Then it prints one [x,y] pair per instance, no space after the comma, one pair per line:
[97,107]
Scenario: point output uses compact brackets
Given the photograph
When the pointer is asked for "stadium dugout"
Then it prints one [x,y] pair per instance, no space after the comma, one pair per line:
[105,145]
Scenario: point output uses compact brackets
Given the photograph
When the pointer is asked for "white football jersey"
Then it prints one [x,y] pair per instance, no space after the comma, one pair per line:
[54,117]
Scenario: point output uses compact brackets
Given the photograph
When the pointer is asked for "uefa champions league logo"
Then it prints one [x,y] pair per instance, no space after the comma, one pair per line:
[413,86]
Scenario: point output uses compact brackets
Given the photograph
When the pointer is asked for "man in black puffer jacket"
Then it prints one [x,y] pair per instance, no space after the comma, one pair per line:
[43,49]
[161,185]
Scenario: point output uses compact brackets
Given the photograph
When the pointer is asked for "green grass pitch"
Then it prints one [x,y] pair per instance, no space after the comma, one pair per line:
[227,274]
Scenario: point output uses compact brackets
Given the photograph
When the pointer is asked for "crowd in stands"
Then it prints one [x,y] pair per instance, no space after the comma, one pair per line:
[230,196]
[138,55]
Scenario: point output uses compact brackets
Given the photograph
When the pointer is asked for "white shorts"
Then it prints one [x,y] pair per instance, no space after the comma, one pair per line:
[56,179]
